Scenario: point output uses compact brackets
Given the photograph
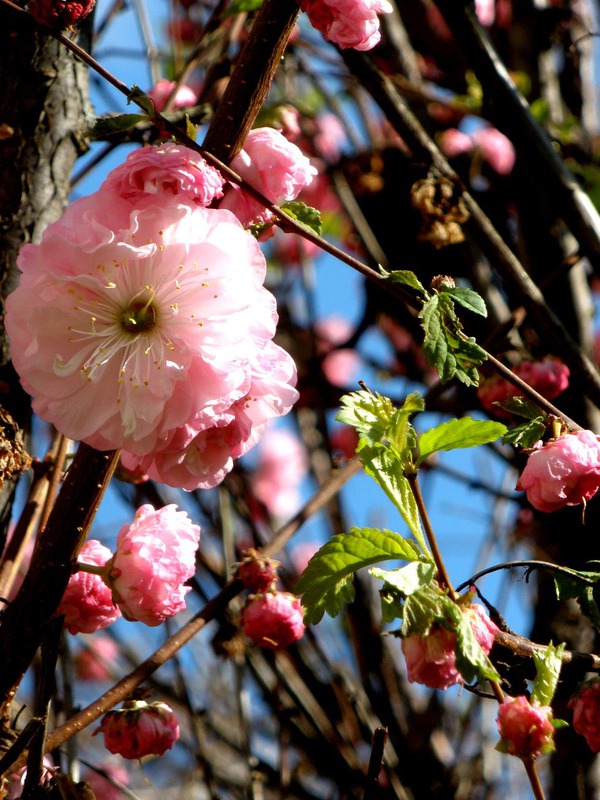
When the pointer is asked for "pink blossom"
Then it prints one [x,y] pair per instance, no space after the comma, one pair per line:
[130,327]
[344,438]
[549,377]
[347,23]
[104,788]
[94,662]
[140,729]
[16,782]
[282,466]
[342,367]
[155,555]
[431,659]
[586,713]
[486,12]
[273,620]
[257,572]
[328,137]
[454,143]
[287,120]
[274,166]
[562,472]
[525,728]
[163,89]
[169,172]
[496,149]
[60,14]
[87,602]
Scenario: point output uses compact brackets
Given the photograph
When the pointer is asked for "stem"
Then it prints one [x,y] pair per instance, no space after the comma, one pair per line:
[534,780]
[92,569]
[442,576]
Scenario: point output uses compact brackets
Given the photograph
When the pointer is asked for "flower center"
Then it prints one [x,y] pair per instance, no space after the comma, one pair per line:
[139,316]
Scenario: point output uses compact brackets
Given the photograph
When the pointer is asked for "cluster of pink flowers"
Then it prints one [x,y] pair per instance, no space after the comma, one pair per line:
[586,713]
[525,728]
[562,472]
[140,729]
[347,23]
[143,580]
[141,321]
[489,143]
[431,659]
[549,377]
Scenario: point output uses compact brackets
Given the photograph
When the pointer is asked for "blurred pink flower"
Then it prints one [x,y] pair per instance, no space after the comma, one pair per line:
[344,438]
[562,472]
[431,659]
[347,23]
[493,146]
[274,166]
[549,377]
[101,786]
[16,782]
[282,466]
[342,367]
[140,729]
[60,14]
[169,172]
[328,137]
[94,662]
[155,555]
[526,729]
[273,620]
[125,329]
[486,12]
[454,143]
[87,602]
[586,713]
[162,90]
[302,553]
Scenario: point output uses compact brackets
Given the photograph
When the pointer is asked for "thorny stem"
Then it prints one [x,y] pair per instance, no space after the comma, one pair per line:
[443,577]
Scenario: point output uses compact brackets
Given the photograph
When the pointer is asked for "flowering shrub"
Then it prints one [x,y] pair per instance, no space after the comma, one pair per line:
[140,729]
[273,620]
[87,603]
[526,729]
[586,713]
[347,23]
[154,556]
[431,659]
[562,472]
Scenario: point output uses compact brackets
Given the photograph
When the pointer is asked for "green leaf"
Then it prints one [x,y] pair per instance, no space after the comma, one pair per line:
[468,299]
[527,434]
[520,406]
[548,664]
[422,609]
[239,6]
[142,100]
[386,469]
[407,278]
[326,583]
[576,584]
[307,215]
[471,660]
[105,126]
[190,128]
[369,413]
[458,433]
[406,580]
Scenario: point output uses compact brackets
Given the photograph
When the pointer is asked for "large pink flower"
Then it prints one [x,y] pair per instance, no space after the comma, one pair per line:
[169,172]
[347,23]
[274,166]
[128,325]
[431,659]
[87,602]
[155,555]
[562,472]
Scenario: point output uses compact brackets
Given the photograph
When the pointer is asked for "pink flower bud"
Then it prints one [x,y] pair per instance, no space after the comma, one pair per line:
[87,602]
[431,659]
[586,713]
[347,23]
[562,472]
[60,14]
[525,728]
[256,572]
[140,729]
[273,620]
[162,90]
[155,555]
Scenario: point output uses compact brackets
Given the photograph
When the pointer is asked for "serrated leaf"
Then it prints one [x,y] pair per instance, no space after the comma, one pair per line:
[326,583]
[407,278]
[458,433]
[408,579]
[576,584]
[471,660]
[520,406]
[421,609]
[307,215]
[240,6]
[548,663]
[468,299]
[386,469]
[527,434]
[105,126]
[369,413]
[142,100]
